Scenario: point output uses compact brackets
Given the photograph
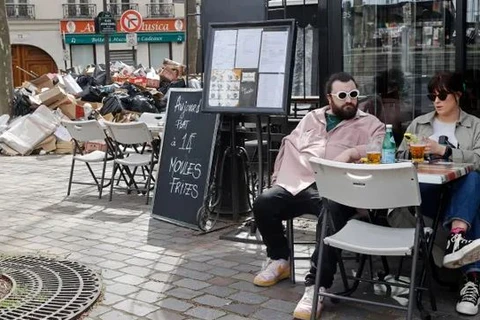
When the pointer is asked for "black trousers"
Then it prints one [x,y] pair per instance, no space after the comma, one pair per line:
[277,204]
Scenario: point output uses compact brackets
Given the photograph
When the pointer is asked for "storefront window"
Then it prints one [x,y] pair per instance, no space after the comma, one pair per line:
[392,48]
[82,55]
[158,52]
[471,101]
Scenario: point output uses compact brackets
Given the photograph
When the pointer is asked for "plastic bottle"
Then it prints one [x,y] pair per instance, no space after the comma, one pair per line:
[388,146]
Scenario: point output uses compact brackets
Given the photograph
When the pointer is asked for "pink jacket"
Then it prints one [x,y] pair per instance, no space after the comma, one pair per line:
[310,138]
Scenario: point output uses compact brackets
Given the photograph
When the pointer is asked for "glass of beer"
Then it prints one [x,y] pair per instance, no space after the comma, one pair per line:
[417,150]
[374,151]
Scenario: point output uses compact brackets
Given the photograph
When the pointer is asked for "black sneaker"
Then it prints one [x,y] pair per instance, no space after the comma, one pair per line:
[469,298]
[460,251]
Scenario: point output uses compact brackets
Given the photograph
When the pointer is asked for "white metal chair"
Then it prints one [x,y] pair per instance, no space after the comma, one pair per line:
[372,187]
[153,119]
[132,134]
[289,230]
[84,131]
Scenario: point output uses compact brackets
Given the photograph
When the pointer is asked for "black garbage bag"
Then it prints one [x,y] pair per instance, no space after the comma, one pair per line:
[112,104]
[132,89]
[100,75]
[178,84]
[92,94]
[155,100]
[21,104]
[161,104]
[140,103]
[86,81]
[165,85]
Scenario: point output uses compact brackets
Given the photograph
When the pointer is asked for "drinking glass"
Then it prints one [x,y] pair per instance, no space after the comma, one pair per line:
[374,151]
[417,149]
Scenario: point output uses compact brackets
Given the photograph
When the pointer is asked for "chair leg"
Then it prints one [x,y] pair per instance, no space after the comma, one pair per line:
[291,247]
[102,181]
[386,267]
[112,180]
[411,294]
[71,177]
[313,316]
[92,173]
[149,179]
[370,266]
[426,273]
[353,288]
[343,273]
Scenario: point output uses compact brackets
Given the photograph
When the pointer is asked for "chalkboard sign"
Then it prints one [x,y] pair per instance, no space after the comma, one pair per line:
[186,157]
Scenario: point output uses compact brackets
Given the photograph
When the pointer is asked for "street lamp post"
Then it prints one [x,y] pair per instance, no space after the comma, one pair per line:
[107,50]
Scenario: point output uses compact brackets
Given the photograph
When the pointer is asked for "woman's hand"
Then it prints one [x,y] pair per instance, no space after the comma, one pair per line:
[433,147]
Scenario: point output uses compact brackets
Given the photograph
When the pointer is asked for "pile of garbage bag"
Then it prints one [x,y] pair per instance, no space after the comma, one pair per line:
[84,95]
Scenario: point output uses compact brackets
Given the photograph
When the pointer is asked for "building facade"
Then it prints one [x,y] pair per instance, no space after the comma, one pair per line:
[391,47]
[52,35]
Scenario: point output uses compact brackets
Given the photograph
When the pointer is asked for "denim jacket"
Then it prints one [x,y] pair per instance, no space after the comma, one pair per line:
[467,132]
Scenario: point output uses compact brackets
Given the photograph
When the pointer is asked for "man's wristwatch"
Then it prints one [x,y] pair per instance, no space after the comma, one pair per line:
[448,153]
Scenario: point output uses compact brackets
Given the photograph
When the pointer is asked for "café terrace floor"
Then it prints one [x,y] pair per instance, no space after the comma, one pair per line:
[151,269]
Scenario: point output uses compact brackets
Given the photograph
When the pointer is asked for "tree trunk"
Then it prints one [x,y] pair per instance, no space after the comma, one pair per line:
[6,80]
[191,47]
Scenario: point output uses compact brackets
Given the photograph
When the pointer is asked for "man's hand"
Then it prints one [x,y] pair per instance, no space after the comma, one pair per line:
[349,155]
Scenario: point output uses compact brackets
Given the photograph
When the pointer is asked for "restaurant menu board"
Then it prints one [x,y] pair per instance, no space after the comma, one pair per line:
[186,157]
[249,67]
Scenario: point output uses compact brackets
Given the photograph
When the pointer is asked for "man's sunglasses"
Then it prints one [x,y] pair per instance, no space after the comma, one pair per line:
[342,95]
[442,95]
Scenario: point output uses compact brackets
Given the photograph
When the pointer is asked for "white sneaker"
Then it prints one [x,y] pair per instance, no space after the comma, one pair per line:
[303,310]
[469,299]
[272,272]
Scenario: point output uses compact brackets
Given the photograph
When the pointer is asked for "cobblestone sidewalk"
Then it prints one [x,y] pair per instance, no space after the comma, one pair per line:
[151,269]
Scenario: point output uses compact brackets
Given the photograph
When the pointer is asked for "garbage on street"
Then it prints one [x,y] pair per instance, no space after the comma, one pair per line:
[40,104]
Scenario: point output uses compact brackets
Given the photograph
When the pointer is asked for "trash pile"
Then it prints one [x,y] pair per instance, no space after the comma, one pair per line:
[40,104]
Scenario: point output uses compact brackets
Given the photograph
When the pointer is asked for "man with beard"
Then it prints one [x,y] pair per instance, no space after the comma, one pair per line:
[338,131]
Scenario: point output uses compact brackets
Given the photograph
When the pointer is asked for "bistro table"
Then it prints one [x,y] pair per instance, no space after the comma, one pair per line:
[442,172]
[438,173]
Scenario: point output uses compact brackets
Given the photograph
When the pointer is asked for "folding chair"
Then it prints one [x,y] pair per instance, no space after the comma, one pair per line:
[83,131]
[131,135]
[289,230]
[372,187]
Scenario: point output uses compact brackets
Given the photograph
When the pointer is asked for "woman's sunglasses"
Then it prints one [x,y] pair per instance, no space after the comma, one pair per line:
[442,95]
[342,95]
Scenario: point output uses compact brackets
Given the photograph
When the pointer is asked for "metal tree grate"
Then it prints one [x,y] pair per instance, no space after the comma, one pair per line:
[44,288]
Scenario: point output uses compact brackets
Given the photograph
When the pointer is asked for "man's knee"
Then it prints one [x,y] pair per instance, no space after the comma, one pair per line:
[262,204]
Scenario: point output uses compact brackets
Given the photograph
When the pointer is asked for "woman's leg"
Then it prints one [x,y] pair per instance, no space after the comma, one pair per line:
[464,202]
[431,197]
[461,217]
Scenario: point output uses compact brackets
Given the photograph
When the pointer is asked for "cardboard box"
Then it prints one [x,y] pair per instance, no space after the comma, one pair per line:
[140,81]
[42,82]
[48,144]
[51,96]
[91,146]
[168,74]
[153,83]
[30,130]
[64,147]
[95,105]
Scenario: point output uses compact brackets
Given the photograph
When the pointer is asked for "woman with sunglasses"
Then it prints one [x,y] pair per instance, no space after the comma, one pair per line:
[461,215]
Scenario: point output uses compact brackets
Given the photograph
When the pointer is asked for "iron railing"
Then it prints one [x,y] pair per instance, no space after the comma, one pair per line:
[160,10]
[79,10]
[118,8]
[20,11]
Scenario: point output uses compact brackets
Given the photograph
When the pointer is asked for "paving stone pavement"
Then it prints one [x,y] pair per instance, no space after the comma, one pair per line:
[150,269]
